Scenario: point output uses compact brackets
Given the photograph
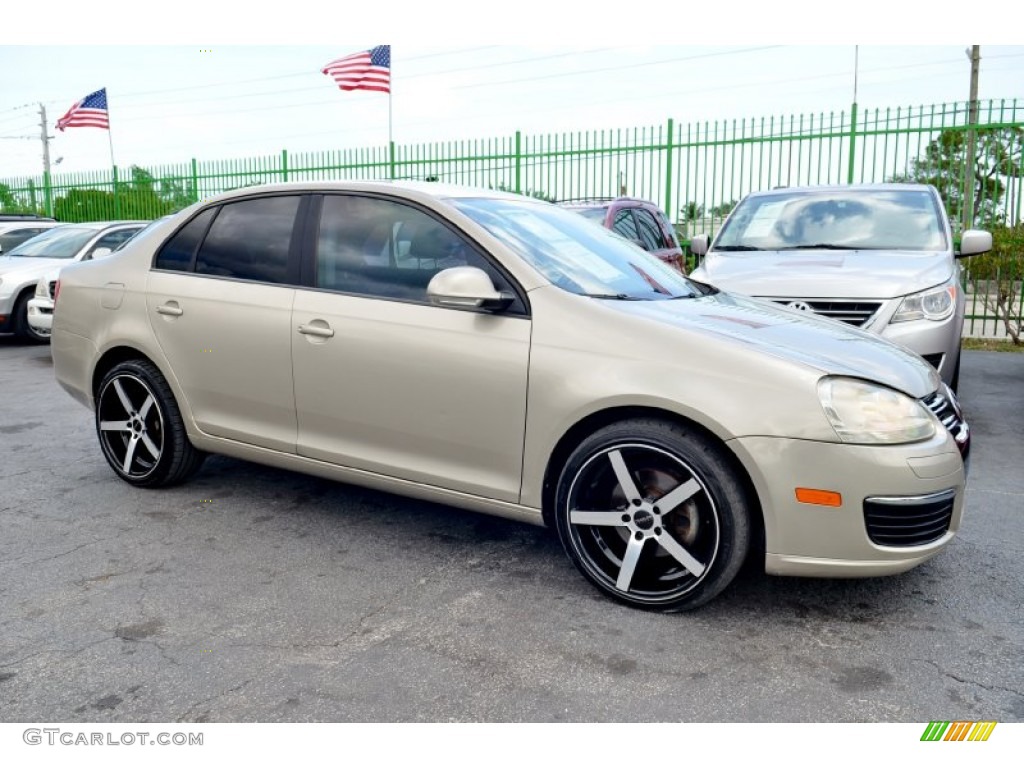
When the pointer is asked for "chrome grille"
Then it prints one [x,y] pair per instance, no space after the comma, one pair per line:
[908,522]
[944,405]
[858,313]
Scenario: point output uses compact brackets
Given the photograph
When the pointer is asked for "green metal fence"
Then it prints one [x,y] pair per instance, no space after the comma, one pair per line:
[695,171]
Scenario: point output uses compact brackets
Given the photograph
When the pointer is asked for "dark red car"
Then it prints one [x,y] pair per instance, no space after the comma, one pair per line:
[639,221]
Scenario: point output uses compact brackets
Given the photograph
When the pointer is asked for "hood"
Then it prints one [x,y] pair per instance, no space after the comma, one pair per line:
[26,268]
[826,274]
[826,345]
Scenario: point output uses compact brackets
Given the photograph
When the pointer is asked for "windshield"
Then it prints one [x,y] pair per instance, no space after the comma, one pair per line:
[58,243]
[574,254]
[877,219]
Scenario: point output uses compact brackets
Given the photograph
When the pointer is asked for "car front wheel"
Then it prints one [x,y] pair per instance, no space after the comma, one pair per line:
[652,514]
[140,427]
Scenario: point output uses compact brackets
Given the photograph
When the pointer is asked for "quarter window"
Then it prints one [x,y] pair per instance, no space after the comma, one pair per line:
[177,254]
[250,240]
[650,232]
[625,225]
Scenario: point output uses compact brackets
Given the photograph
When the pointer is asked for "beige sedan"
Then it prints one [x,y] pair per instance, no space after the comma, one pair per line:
[503,355]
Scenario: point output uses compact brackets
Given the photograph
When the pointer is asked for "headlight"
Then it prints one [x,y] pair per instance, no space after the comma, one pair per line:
[42,292]
[861,412]
[934,304]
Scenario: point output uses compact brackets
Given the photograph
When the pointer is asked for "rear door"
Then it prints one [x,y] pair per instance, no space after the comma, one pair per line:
[220,302]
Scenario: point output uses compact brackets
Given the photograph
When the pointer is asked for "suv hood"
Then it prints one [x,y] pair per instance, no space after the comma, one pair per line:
[825,345]
[826,273]
[26,267]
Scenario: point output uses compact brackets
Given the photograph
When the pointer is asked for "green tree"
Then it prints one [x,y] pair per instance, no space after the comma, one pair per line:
[692,211]
[996,277]
[997,160]
[11,203]
[723,209]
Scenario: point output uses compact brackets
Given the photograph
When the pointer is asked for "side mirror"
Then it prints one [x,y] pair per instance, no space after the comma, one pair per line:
[699,245]
[100,253]
[467,288]
[974,241]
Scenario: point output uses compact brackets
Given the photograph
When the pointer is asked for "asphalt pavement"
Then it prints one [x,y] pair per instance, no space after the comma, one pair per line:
[255,594]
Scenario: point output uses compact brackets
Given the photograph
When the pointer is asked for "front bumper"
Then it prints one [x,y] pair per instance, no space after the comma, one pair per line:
[40,315]
[821,541]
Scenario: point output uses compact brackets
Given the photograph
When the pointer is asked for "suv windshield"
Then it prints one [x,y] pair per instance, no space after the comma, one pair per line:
[58,243]
[574,254]
[880,219]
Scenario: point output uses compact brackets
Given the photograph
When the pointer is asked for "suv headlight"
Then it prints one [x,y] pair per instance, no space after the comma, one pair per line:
[934,304]
[862,412]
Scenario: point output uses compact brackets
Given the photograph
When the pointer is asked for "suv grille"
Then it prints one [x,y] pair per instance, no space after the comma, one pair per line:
[910,521]
[858,313]
[944,405]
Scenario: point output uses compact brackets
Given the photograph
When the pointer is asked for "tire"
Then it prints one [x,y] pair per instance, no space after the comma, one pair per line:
[21,328]
[140,428]
[607,512]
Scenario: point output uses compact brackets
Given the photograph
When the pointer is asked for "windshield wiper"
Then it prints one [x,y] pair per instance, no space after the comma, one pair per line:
[618,296]
[737,248]
[822,247]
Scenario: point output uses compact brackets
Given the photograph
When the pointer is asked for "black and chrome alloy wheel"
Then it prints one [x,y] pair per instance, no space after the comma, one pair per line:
[654,521]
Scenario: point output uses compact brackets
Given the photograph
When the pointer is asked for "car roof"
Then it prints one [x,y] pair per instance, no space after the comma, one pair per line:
[413,189]
[97,225]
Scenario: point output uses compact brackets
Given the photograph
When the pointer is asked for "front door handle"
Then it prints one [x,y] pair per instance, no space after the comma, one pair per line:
[321,331]
[171,308]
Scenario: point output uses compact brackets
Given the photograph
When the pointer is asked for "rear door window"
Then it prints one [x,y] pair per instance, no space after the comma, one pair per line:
[250,240]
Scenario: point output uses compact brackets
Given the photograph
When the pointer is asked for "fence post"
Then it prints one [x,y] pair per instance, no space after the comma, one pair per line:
[668,167]
[391,159]
[519,162]
[195,181]
[284,165]
[117,197]
[853,141]
[47,193]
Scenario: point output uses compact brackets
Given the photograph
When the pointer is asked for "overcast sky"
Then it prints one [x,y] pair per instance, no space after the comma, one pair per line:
[171,101]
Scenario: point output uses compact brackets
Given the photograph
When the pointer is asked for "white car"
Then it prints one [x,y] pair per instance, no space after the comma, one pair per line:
[22,268]
[40,306]
[15,230]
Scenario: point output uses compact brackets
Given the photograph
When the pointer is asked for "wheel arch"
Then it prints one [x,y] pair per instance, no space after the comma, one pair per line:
[603,418]
[114,356]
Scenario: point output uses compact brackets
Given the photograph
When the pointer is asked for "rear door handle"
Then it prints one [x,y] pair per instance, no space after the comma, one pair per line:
[171,308]
[322,331]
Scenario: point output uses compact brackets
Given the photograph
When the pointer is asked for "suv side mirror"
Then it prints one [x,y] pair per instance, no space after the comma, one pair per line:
[699,245]
[974,241]
[100,253]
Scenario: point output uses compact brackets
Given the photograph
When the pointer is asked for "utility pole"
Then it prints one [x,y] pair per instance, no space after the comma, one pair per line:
[45,138]
[47,186]
[972,123]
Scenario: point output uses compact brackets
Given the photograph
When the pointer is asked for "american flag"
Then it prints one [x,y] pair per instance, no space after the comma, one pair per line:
[90,112]
[364,71]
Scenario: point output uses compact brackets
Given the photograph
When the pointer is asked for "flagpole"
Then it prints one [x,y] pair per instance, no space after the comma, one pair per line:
[113,163]
[391,141]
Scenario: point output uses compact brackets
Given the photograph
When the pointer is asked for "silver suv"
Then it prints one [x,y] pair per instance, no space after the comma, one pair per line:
[877,256]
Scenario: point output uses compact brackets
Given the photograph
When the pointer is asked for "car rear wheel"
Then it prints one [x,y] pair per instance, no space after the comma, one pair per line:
[140,427]
[653,514]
